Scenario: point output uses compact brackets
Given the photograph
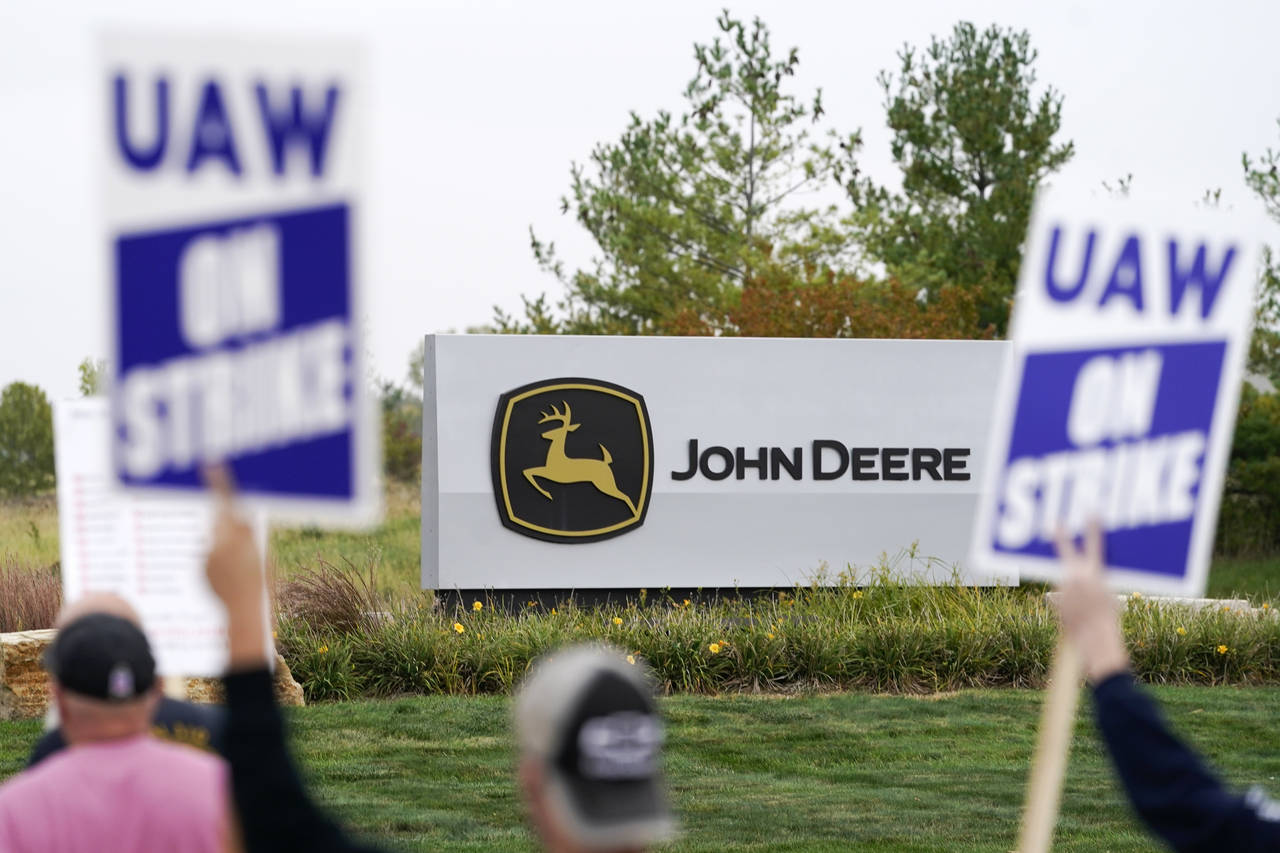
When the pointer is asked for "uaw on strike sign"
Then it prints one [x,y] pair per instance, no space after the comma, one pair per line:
[232,213]
[1119,394]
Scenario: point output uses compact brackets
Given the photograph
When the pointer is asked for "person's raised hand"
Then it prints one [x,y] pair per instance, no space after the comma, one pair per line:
[232,565]
[234,570]
[1087,608]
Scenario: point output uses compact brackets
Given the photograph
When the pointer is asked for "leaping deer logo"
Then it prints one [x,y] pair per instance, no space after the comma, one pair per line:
[560,468]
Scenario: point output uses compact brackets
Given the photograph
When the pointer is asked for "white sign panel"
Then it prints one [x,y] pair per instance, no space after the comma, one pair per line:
[148,550]
[1118,402]
[596,462]
[231,190]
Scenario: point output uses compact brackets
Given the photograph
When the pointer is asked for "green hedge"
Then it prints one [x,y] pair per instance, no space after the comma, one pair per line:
[883,636]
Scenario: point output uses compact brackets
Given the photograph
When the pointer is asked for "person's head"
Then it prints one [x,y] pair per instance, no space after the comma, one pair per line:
[103,675]
[590,741]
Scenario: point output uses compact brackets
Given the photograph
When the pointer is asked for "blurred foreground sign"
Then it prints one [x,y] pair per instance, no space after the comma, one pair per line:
[148,550]
[231,195]
[1119,395]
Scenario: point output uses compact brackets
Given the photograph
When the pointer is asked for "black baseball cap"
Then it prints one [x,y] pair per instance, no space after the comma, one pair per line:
[589,717]
[101,656]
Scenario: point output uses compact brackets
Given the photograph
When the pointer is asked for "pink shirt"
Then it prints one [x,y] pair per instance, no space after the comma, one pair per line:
[134,795]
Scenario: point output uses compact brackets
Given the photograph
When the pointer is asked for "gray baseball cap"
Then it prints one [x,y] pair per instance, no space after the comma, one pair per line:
[590,718]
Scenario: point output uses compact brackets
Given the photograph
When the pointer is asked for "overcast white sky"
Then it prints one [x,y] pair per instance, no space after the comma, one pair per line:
[479,107]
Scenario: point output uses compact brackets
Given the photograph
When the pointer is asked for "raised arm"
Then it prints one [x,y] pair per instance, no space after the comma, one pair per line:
[1178,798]
[274,809]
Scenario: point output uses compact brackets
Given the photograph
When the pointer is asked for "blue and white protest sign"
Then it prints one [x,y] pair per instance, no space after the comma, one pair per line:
[1119,395]
[233,210]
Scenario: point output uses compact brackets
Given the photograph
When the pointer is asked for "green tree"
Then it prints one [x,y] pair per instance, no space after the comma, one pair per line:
[26,440]
[1262,174]
[973,143]
[417,372]
[93,373]
[684,210]
[402,421]
[401,433]
[1250,517]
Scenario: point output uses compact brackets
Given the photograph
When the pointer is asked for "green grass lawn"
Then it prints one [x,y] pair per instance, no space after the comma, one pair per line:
[29,538]
[29,531]
[394,547]
[835,772]
[1245,577]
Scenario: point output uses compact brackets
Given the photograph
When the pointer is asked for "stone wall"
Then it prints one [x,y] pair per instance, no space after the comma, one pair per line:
[209,690]
[24,687]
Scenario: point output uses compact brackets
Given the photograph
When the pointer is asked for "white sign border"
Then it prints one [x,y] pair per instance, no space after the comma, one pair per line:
[364,508]
[1213,466]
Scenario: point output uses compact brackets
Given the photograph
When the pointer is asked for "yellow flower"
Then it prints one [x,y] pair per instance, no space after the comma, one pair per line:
[1135,595]
[1266,606]
[1226,609]
[532,604]
[617,620]
[1182,632]
[553,611]
[1222,650]
[857,593]
[770,636]
[457,626]
[714,648]
[323,649]
[686,603]
[631,659]
[477,606]
[273,635]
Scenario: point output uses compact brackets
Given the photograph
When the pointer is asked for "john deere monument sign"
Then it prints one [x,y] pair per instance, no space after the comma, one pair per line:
[604,463]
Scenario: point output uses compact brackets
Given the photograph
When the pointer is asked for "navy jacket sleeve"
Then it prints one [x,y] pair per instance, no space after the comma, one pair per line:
[1178,798]
[273,806]
[49,743]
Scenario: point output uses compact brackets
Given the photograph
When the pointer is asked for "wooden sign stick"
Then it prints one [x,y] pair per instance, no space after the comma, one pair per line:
[1057,718]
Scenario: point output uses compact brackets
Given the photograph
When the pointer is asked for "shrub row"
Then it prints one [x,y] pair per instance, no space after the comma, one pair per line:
[868,633]
[880,636]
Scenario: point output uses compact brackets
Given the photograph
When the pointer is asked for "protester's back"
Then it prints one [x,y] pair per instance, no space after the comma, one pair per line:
[116,787]
[201,726]
[132,794]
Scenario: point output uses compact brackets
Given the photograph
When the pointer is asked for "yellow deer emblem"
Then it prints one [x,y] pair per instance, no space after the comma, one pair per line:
[560,468]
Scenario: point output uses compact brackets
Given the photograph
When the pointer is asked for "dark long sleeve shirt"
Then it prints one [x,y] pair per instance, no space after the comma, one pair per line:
[274,809]
[201,726]
[1178,798]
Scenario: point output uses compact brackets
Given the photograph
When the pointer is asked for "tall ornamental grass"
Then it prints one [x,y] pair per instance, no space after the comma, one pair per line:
[29,598]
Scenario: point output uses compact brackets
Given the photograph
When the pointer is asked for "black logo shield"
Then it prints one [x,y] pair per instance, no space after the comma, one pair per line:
[572,460]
